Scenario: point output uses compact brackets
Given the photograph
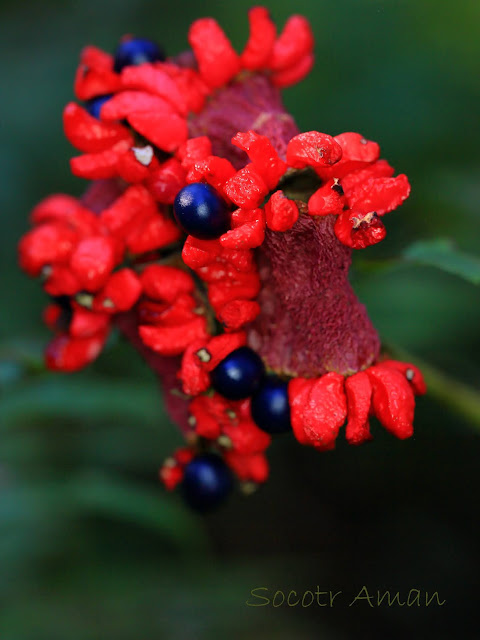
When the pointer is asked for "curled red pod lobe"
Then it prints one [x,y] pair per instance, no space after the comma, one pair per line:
[358,391]
[294,43]
[172,341]
[46,245]
[134,165]
[62,208]
[95,75]
[93,260]
[167,314]
[155,80]
[134,203]
[65,353]
[213,170]
[194,150]
[246,437]
[356,230]
[238,313]
[280,212]
[379,169]
[313,149]
[120,293]
[263,32]
[318,410]
[154,232]
[200,253]
[357,153]
[411,373]
[209,415]
[164,283]
[263,156]
[379,194]
[165,182]
[218,348]
[126,102]
[89,134]
[393,401]
[246,188]
[85,323]
[194,378]
[166,130]
[95,166]
[217,60]
[171,475]
[329,199]
[248,230]
[291,75]
[61,281]
[249,468]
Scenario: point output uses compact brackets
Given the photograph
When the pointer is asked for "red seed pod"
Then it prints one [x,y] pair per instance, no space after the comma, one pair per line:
[357,230]
[165,182]
[120,293]
[165,283]
[246,188]
[119,106]
[167,131]
[246,286]
[133,205]
[209,413]
[358,391]
[89,134]
[248,230]
[199,253]
[130,169]
[379,169]
[217,60]
[61,281]
[218,348]
[172,341]
[379,194]
[313,149]
[280,212]
[95,166]
[291,75]
[324,409]
[412,374]
[357,153]
[46,245]
[195,379]
[246,437]
[329,199]
[63,208]
[184,455]
[154,80]
[65,353]
[261,152]
[190,84]
[171,475]
[393,401]
[95,75]
[154,232]
[259,47]
[194,150]
[294,43]
[250,468]
[51,316]
[213,170]
[92,261]
[238,313]
[168,315]
[86,324]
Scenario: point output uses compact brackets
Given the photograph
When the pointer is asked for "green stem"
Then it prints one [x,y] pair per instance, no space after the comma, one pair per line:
[449,392]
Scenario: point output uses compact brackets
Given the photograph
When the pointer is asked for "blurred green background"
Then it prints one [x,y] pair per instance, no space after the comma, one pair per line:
[91,547]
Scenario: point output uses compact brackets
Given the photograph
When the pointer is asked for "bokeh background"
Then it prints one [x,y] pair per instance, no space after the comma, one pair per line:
[91,547]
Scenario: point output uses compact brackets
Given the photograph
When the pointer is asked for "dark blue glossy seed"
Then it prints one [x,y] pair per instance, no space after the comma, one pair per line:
[270,406]
[207,482]
[94,105]
[135,51]
[201,212]
[238,375]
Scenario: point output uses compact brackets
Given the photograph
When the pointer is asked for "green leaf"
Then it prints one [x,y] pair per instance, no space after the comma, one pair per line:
[442,254]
